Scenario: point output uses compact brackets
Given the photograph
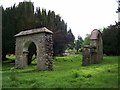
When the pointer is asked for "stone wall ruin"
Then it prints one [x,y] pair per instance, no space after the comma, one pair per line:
[93,53]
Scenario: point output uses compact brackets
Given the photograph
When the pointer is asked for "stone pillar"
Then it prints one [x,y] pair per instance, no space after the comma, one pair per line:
[45,53]
[25,58]
[41,54]
[18,53]
[49,51]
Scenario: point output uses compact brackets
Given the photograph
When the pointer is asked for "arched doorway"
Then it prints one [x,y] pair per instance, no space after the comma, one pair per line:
[30,52]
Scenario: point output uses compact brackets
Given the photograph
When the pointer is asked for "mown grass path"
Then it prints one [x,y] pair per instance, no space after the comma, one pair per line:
[67,73]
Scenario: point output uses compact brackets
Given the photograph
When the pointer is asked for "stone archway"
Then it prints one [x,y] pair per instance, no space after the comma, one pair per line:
[42,38]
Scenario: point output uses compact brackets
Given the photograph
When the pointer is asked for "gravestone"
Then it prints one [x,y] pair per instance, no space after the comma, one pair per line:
[42,38]
[93,53]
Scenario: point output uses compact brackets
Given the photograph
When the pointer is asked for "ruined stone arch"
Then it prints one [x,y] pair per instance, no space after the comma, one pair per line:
[96,36]
[42,38]
[93,53]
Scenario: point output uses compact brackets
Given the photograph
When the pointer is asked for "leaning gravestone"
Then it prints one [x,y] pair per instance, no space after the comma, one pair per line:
[93,53]
[42,38]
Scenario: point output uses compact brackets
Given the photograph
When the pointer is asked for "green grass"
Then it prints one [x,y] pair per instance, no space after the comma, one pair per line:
[67,73]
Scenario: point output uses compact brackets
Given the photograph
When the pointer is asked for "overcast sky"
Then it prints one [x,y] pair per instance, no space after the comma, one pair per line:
[82,16]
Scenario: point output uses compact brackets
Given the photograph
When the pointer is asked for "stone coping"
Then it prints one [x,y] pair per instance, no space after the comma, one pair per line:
[34,31]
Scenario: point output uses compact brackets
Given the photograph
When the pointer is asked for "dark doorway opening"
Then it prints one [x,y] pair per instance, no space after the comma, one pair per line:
[32,53]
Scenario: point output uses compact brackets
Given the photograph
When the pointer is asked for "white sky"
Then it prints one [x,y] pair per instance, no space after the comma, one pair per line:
[82,16]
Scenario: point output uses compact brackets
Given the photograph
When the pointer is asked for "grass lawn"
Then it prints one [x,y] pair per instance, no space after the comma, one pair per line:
[67,73]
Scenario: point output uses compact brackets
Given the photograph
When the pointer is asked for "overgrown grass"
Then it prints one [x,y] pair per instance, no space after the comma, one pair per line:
[67,73]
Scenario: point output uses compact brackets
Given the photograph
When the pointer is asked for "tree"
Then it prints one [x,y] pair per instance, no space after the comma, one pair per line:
[118,38]
[51,20]
[110,40]
[87,40]
[70,39]
[8,31]
[25,18]
[44,18]
[78,43]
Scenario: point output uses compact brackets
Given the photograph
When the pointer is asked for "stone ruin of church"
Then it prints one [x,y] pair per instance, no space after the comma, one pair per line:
[42,38]
[93,53]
